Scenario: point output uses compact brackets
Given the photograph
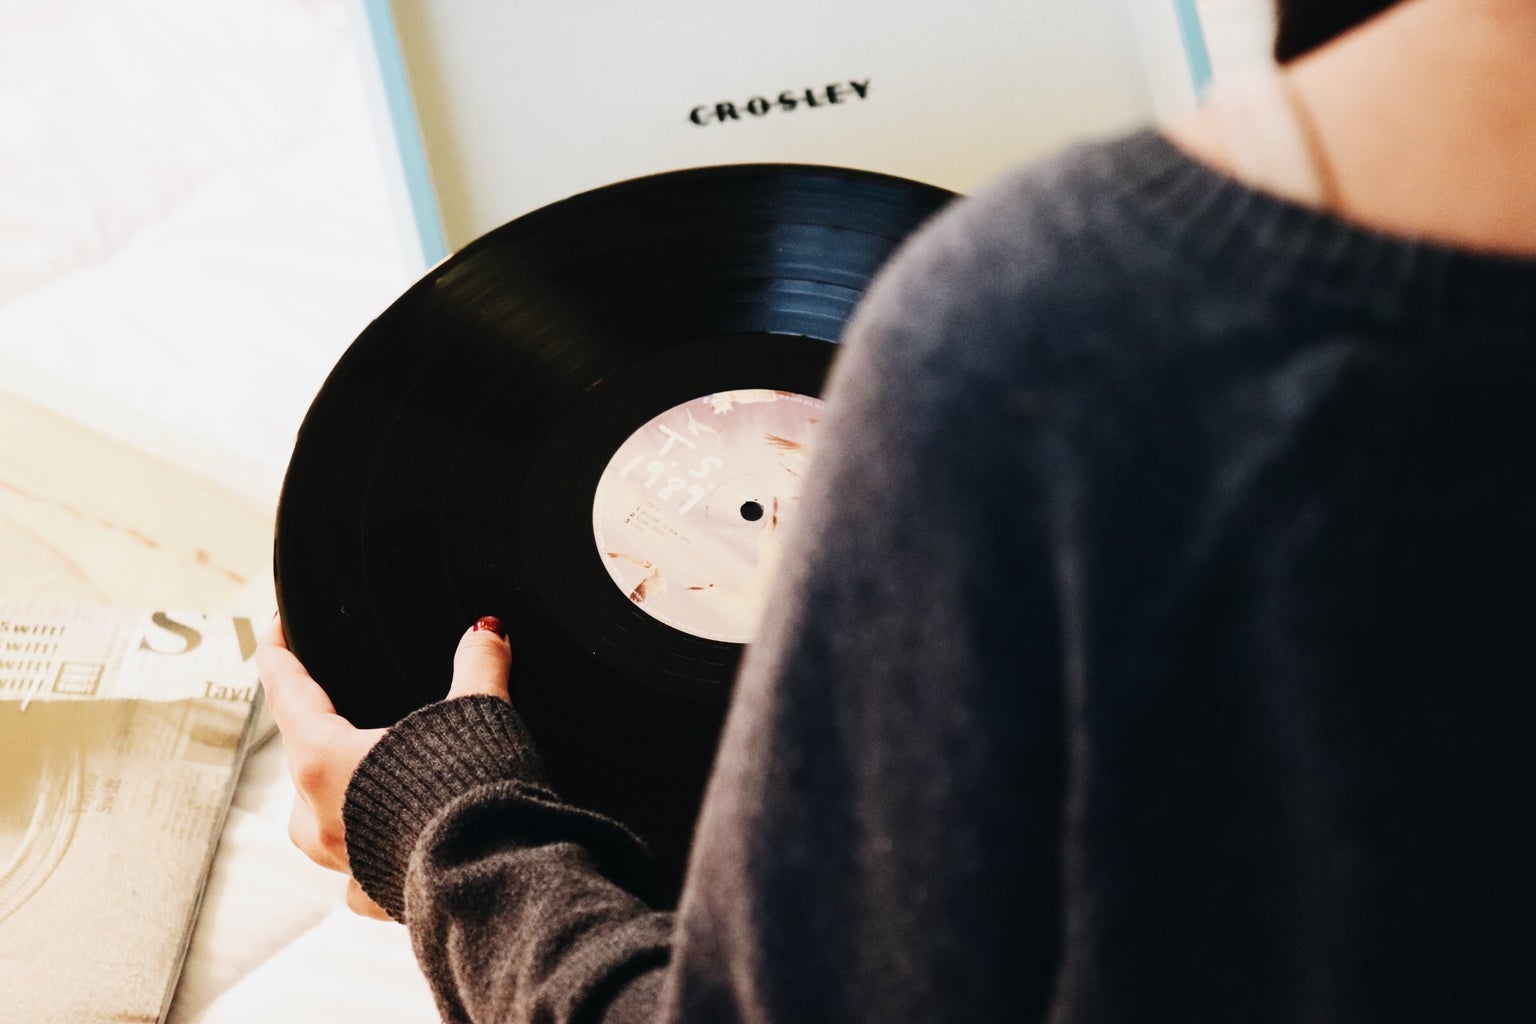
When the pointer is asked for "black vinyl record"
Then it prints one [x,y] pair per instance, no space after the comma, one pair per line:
[450,465]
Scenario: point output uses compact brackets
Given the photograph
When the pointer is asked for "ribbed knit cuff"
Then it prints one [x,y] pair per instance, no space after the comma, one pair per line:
[422,764]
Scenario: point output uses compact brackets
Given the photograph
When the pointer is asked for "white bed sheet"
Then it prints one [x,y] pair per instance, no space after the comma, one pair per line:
[193,227]
[275,940]
[193,220]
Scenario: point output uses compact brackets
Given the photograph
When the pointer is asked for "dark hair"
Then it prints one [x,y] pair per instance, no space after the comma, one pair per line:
[1303,25]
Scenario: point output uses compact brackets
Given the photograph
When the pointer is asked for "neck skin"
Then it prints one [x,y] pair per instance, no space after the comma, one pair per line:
[1428,116]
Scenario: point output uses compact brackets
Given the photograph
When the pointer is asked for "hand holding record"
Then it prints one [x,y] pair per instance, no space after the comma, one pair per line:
[592,423]
[323,749]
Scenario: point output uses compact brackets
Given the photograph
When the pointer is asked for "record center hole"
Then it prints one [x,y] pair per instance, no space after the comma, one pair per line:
[751,511]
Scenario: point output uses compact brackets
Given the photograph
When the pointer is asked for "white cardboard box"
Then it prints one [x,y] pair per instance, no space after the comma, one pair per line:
[490,109]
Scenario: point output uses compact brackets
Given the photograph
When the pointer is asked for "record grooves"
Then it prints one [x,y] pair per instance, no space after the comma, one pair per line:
[447,468]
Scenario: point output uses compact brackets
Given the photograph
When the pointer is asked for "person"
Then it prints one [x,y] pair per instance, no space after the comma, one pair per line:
[1153,645]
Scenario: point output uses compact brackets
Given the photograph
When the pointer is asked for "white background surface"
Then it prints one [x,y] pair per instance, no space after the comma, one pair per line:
[192,220]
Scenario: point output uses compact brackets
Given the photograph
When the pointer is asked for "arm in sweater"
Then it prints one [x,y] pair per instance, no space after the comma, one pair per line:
[520,907]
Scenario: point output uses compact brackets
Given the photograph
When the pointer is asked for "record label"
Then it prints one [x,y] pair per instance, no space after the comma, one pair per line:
[690,514]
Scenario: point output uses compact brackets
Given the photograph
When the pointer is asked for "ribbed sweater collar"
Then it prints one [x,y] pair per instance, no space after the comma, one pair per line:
[1263,242]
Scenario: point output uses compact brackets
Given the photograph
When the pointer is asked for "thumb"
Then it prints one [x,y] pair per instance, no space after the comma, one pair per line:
[359,903]
[481,663]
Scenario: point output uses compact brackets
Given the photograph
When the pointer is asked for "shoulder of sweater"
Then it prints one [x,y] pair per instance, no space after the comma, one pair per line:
[1007,271]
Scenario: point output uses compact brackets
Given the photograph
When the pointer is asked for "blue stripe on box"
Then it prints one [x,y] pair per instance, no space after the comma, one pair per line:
[406,130]
[1194,44]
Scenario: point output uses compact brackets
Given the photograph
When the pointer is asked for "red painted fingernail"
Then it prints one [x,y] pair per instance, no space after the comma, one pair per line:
[489,622]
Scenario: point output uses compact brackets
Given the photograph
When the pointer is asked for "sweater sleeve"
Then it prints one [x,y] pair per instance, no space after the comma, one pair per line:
[520,907]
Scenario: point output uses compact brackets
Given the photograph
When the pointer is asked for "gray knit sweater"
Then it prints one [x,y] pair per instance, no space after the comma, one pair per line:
[1154,647]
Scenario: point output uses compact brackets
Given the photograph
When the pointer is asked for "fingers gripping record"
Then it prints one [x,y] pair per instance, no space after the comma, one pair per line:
[482,661]
[323,749]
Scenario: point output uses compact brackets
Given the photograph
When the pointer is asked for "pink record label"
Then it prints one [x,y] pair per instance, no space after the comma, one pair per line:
[691,511]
